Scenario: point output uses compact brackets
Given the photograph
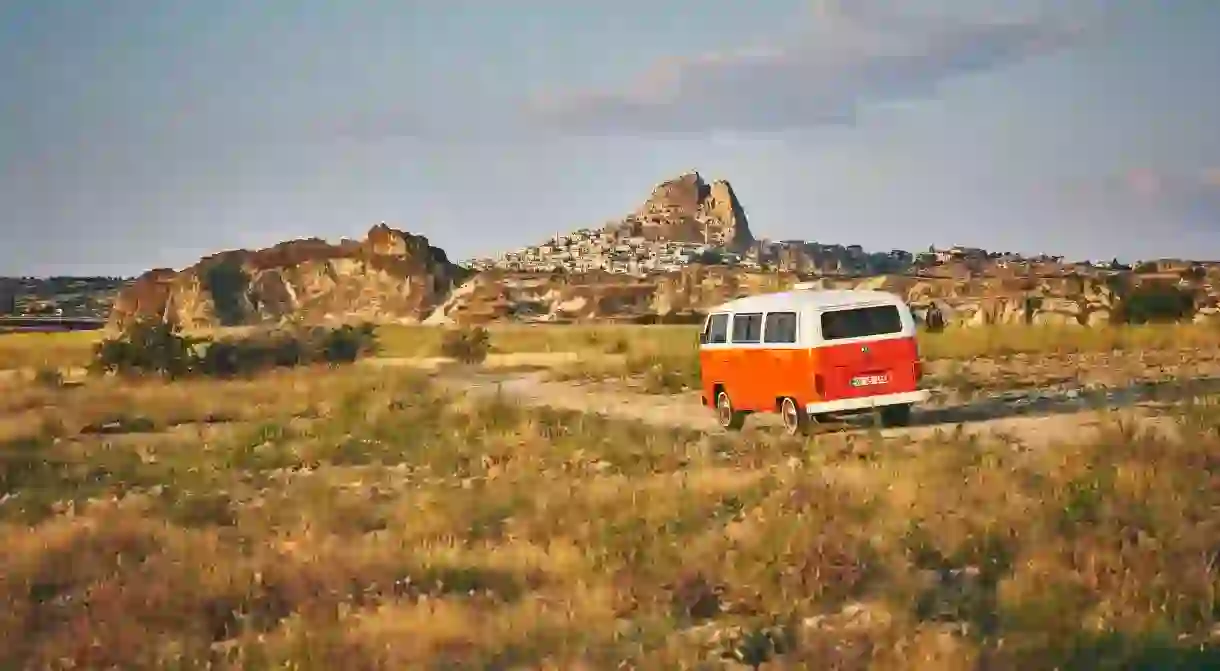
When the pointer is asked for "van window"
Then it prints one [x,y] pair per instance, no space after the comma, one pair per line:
[747,328]
[780,327]
[716,332]
[861,322]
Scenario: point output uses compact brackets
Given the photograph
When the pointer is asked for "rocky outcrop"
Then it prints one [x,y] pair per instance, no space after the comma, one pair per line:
[688,209]
[390,276]
[686,295]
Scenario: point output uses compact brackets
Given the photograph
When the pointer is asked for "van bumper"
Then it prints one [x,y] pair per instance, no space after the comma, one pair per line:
[867,402]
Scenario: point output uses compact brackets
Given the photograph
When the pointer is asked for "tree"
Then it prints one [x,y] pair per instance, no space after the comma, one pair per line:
[227,281]
[1155,302]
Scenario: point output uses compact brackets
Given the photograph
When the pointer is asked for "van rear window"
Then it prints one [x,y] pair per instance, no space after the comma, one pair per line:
[861,322]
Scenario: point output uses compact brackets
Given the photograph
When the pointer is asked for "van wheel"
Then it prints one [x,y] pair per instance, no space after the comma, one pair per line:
[796,422]
[896,415]
[729,418]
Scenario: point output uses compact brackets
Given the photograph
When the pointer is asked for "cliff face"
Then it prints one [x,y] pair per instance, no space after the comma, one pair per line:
[390,276]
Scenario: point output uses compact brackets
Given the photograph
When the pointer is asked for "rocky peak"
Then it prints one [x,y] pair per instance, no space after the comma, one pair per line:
[687,208]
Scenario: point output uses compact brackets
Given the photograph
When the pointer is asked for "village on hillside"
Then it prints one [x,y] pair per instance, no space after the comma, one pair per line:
[612,251]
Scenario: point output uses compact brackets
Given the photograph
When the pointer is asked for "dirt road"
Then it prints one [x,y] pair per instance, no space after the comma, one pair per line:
[1023,418]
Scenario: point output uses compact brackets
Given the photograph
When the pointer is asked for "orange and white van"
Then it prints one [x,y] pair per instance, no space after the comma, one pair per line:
[810,353]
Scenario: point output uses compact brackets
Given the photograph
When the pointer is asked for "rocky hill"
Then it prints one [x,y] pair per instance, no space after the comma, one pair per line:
[685,294]
[394,277]
[652,265]
[688,209]
[389,276]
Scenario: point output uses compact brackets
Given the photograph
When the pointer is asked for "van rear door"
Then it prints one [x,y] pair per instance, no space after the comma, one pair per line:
[866,351]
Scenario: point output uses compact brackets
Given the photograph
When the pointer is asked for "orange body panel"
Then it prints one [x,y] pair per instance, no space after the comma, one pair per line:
[756,378]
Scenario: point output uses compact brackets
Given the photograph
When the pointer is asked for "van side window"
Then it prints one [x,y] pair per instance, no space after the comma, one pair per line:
[861,322]
[780,327]
[717,330]
[747,328]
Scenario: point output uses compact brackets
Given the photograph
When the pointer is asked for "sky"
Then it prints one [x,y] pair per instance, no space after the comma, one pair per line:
[136,134]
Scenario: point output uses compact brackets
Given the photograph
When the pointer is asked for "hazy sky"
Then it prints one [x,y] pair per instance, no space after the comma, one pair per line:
[136,133]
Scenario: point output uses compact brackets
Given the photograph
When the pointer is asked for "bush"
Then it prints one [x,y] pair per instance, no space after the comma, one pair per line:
[146,347]
[227,283]
[467,344]
[1155,303]
[49,377]
[347,343]
[160,349]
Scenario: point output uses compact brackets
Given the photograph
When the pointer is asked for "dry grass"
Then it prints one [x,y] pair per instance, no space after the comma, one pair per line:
[46,350]
[962,343]
[35,350]
[967,361]
[361,520]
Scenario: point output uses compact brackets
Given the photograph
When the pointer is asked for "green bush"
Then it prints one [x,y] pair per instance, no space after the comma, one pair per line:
[347,343]
[1154,303]
[146,347]
[154,348]
[466,344]
[227,282]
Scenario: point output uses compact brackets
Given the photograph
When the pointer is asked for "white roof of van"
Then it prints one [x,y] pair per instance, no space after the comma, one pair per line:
[807,298]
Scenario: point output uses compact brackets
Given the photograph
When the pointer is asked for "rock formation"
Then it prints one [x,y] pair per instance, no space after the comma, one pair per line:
[395,277]
[682,296]
[688,209]
[390,276]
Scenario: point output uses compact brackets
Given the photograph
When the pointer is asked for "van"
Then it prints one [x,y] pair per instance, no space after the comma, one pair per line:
[810,355]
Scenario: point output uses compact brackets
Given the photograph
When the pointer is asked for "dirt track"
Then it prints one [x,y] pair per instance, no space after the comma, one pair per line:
[1025,418]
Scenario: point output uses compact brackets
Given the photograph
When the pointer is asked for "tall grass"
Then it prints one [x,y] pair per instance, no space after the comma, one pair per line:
[367,521]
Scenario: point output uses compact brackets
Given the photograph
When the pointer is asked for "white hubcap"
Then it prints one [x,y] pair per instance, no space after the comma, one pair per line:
[790,415]
[724,407]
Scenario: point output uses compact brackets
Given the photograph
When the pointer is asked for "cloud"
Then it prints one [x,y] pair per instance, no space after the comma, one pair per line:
[1188,197]
[847,58]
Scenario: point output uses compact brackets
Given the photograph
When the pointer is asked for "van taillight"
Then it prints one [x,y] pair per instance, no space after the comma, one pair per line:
[819,385]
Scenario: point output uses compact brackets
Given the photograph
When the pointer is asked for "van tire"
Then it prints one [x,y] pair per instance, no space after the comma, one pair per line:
[796,420]
[896,415]
[730,418]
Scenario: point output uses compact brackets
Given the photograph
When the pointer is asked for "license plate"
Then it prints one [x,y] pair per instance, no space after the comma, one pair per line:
[869,380]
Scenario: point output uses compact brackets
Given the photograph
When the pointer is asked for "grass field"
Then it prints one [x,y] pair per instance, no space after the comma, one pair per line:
[642,343]
[360,519]
[46,350]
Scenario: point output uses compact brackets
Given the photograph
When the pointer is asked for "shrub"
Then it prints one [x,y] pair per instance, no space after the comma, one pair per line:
[146,347]
[227,282]
[467,344]
[157,348]
[1154,303]
[347,343]
[49,377]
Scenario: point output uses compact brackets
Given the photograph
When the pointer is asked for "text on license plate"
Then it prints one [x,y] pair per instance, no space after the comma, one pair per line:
[869,380]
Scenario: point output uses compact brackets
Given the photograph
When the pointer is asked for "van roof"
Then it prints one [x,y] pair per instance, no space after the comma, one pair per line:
[808,299]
